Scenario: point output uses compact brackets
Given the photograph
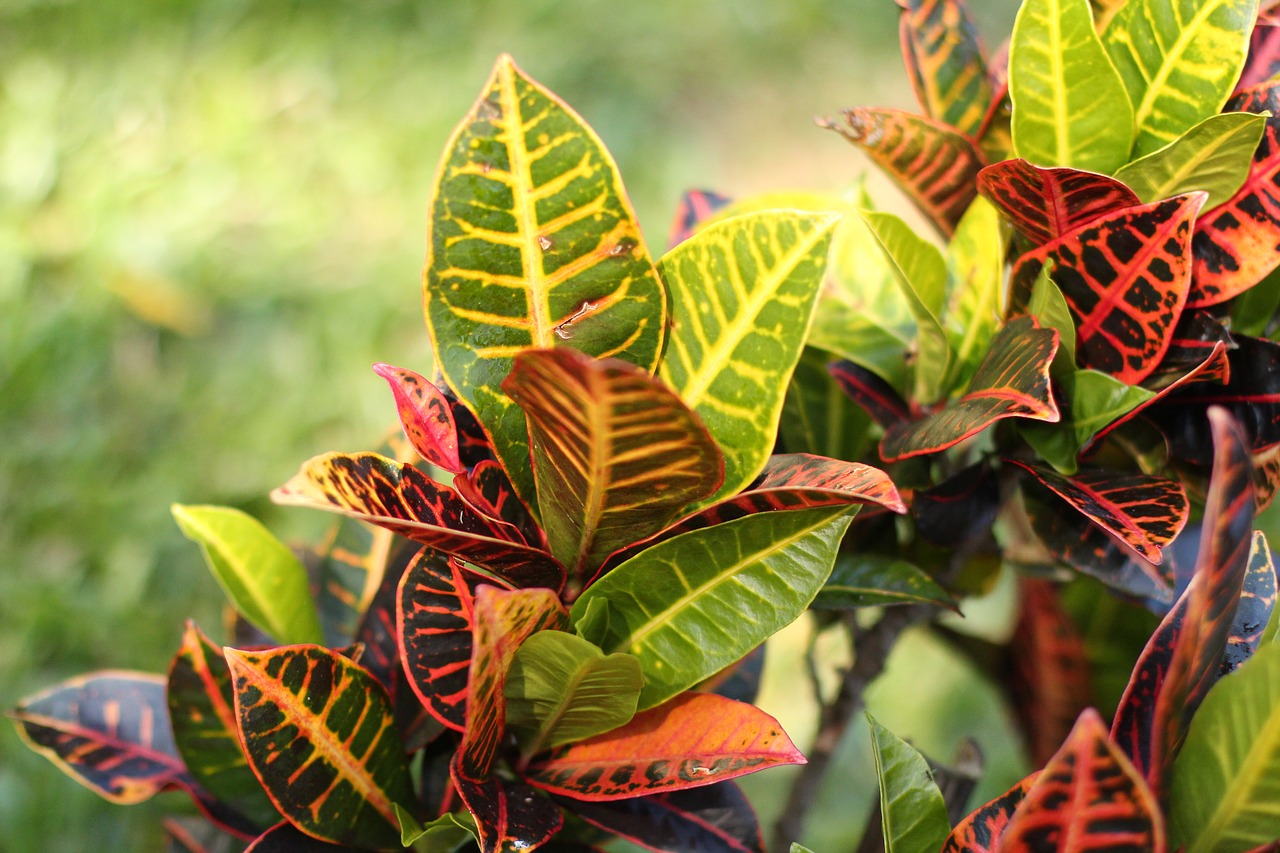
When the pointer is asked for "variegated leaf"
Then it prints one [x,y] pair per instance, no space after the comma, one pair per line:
[1214,156]
[944,62]
[1047,203]
[1257,603]
[982,830]
[712,819]
[425,415]
[510,816]
[695,208]
[434,627]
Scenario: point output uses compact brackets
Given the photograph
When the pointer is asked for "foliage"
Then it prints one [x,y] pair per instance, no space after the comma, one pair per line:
[592,525]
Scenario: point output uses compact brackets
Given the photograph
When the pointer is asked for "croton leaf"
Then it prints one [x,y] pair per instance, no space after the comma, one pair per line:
[1126,278]
[1012,381]
[1143,512]
[694,739]
[1069,102]
[434,624]
[320,734]
[1266,476]
[696,207]
[263,579]
[885,406]
[913,815]
[1179,60]
[425,416]
[944,62]
[402,499]
[510,815]
[489,491]
[739,681]
[532,243]
[1235,245]
[616,453]
[1225,793]
[1088,797]
[982,830]
[442,835]
[1184,656]
[1047,203]
[975,279]
[1263,60]
[1051,683]
[742,295]
[1213,156]
[1257,603]
[284,837]
[959,509]
[201,700]
[692,605]
[710,819]
[932,162]
[870,580]
[503,619]
[1200,344]
[817,416]
[560,688]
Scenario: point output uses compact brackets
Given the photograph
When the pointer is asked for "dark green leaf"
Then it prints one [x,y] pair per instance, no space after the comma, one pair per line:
[867,580]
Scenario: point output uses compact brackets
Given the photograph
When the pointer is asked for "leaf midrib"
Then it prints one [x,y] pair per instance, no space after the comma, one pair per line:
[1250,771]
[1171,59]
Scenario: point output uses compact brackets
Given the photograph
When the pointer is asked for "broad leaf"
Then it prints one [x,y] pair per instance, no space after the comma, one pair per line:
[1069,102]
[912,813]
[933,163]
[503,619]
[875,396]
[425,416]
[532,243]
[870,580]
[1093,403]
[561,689]
[1257,603]
[1179,60]
[488,490]
[1214,156]
[975,279]
[379,637]
[1087,797]
[510,815]
[692,740]
[742,297]
[944,62]
[711,819]
[442,835]
[695,208]
[692,605]
[434,624]
[982,830]
[1126,277]
[1225,793]
[1047,203]
[402,499]
[260,575]
[616,454]
[320,734]
[1012,381]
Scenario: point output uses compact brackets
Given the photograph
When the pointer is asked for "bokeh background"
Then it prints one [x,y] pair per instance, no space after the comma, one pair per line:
[212,223]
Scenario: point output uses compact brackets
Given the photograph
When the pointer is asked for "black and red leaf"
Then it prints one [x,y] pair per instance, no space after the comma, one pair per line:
[510,815]
[959,508]
[425,416]
[488,490]
[1257,601]
[434,625]
[696,206]
[1263,61]
[982,830]
[712,819]
[885,406]
[1045,204]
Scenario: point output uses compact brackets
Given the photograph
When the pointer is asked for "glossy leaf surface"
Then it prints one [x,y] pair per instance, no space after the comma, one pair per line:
[944,62]
[1088,797]
[1257,604]
[692,740]
[1012,381]
[711,819]
[402,499]
[510,815]
[692,605]
[434,624]
[1047,203]
[742,295]
[1069,103]
[320,734]
[869,580]
[1179,60]
[1126,278]
[982,830]
[532,243]
[1214,156]
[616,453]
[425,416]
[913,815]
[260,575]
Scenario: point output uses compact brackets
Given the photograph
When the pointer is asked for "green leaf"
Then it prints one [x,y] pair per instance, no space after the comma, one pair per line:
[817,416]
[922,275]
[913,814]
[742,299]
[868,580]
[1225,794]
[533,243]
[975,280]
[1049,307]
[799,848]
[1179,60]
[1213,156]
[442,835]
[1069,102]
[1253,310]
[561,689]
[263,579]
[692,605]
[1091,401]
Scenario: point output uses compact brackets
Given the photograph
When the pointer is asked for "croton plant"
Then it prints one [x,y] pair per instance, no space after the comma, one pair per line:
[538,620]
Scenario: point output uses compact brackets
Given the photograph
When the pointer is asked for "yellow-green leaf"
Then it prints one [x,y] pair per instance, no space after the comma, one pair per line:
[1213,156]
[742,298]
[975,280]
[533,243]
[260,575]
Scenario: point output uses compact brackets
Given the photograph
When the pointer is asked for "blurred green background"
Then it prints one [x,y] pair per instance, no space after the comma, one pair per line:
[211,225]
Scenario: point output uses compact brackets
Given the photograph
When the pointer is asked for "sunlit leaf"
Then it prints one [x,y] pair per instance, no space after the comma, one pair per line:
[869,580]
[259,574]
[982,830]
[442,835]
[532,243]
[912,813]
[944,62]
[434,624]
[1214,156]
[742,297]
[425,416]
[711,819]
[1069,102]
[1092,402]
[975,279]
[692,740]
[1050,202]
[510,815]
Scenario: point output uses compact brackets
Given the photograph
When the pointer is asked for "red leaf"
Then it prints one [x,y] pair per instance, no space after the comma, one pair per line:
[1257,601]
[1238,242]
[870,392]
[488,490]
[1142,512]
[1045,204]
[696,206]
[434,624]
[934,164]
[1088,797]
[510,815]
[692,740]
[711,819]
[982,830]
[1125,277]
[502,620]
[1263,62]
[1011,382]
[944,62]
[1199,345]
[1182,659]
[425,415]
